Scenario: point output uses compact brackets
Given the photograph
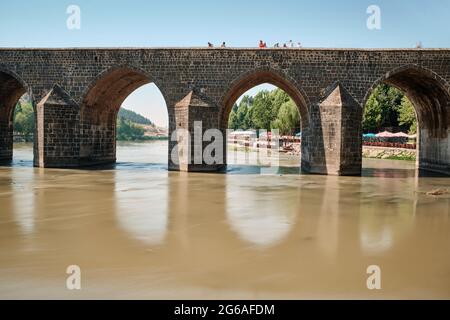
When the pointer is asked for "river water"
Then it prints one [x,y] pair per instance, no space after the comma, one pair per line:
[139,231]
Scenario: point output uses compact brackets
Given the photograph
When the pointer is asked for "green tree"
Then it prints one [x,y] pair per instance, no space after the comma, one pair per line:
[127,130]
[133,117]
[263,110]
[381,109]
[372,114]
[24,120]
[288,118]
[407,116]
[242,115]
[248,119]
[233,123]
[279,97]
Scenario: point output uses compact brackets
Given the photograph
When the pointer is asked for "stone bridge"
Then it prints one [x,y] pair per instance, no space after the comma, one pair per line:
[76,95]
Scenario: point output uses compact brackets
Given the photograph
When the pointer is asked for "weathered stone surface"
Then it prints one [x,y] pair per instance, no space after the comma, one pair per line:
[58,142]
[98,80]
[339,151]
[195,114]
[11,89]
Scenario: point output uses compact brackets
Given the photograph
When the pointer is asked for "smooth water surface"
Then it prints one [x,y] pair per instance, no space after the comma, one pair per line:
[139,231]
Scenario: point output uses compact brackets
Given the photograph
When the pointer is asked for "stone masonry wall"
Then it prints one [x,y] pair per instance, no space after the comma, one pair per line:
[60,134]
[308,73]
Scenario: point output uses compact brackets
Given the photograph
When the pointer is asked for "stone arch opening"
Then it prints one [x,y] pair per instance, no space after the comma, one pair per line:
[280,81]
[430,97]
[99,112]
[12,89]
[253,79]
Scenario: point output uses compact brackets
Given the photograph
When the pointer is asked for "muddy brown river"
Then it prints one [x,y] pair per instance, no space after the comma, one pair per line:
[139,231]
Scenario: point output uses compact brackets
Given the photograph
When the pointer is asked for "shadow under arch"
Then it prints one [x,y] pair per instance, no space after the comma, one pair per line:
[12,87]
[100,105]
[430,96]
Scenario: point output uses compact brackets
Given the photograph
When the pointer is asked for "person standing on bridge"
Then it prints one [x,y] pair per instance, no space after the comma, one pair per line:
[210,45]
[223,45]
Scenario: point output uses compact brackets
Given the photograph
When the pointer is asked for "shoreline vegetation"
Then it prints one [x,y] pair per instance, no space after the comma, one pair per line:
[23,120]
[132,126]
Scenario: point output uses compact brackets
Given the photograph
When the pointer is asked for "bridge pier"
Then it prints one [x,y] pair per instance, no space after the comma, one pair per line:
[334,143]
[6,137]
[57,141]
[434,152]
[11,89]
[97,136]
[193,116]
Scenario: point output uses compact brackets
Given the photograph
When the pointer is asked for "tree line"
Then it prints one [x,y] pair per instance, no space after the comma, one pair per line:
[133,117]
[126,130]
[24,120]
[266,110]
[386,108]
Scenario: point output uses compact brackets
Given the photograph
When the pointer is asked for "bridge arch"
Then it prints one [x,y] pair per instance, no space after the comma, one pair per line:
[99,107]
[430,96]
[16,77]
[114,73]
[428,92]
[12,87]
[259,76]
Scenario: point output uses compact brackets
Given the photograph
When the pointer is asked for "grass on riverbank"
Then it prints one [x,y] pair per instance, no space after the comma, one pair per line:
[404,158]
[396,157]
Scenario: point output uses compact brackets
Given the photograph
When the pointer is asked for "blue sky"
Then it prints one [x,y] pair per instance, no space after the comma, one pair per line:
[239,23]
[140,23]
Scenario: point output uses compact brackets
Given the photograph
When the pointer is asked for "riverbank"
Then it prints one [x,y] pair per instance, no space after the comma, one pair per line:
[369,152]
[389,153]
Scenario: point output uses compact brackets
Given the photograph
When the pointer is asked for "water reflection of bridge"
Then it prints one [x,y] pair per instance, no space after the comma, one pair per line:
[229,232]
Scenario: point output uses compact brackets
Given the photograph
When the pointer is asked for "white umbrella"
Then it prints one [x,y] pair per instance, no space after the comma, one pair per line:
[401,135]
[385,134]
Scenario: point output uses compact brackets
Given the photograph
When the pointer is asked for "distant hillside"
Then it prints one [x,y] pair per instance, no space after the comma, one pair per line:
[133,117]
[132,126]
